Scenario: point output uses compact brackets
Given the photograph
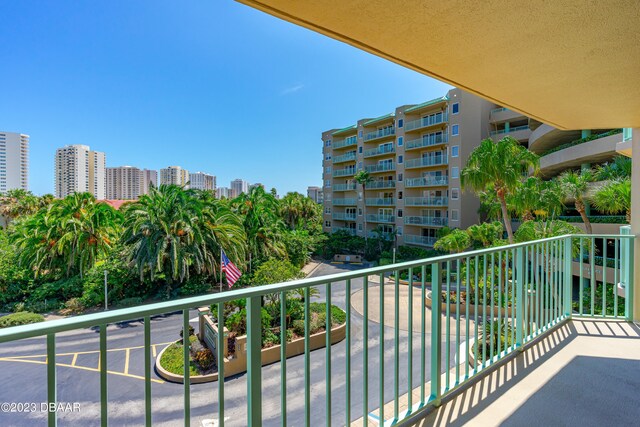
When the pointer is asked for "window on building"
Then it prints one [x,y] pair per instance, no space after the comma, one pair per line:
[455,172]
[359,227]
[359,211]
[454,215]
[327,157]
[360,149]
[399,213]
[399,231]
[400,123]
[455,194]
[455,151]
[360,134]
[400,159]
[327,183]
[400,177]
[400,141]
[455,130]
[327,169]
[327,223]
[455,108]
[327,143]
[399,195]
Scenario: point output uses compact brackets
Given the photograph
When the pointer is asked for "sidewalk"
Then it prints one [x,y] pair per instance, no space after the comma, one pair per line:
[310,267]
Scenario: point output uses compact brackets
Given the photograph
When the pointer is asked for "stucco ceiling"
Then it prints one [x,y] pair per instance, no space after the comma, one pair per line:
[571,64]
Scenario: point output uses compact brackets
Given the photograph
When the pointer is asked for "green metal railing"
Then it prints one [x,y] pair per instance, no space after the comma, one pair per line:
[344,187]
[382,183]
[430,120]
[380,133]
[350,156]
[426,201]
[427,141]
[511,130]
[381,167]
[344,172]
[352,140]
[433,160]
[510,295]
[427,181]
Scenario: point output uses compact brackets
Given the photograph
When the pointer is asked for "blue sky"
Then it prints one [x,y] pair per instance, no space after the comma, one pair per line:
[208,85]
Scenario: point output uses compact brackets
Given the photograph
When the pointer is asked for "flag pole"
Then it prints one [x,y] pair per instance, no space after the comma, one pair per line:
[220,269]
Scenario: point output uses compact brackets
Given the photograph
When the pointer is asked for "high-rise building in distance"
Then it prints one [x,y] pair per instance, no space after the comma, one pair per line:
[14,161]
[223,192]
[202,181]
[239,186]
[129,183]
[148,178]
[80,170]
[174,175]
[315,194]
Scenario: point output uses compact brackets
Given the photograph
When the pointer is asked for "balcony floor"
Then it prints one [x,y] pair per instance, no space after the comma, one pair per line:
[586,373]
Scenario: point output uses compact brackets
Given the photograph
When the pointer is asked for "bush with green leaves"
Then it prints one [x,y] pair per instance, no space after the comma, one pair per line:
[20,318]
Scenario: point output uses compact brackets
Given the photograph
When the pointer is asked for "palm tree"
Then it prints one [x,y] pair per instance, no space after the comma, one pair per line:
[18,202]
[296,209]
[497,167]
[614,197]
[574,187]
[486,233]
[619,168]
[455,242]
[536,197]
[363,178]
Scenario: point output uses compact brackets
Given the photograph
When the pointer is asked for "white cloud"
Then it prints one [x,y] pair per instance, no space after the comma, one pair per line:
[292,89]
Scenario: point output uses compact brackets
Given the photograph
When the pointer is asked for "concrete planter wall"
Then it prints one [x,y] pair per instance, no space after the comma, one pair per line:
[174,378]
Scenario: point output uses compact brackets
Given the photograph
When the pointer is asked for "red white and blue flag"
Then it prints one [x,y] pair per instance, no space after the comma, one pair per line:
[232,272]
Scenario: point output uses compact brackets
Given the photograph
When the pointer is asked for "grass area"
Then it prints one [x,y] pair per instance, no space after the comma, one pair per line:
[173,359]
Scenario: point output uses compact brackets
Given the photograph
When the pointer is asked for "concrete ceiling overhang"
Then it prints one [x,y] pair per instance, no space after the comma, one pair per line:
[573,64]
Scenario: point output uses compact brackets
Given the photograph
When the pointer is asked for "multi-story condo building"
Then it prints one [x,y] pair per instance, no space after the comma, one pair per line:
[256,185]
[316,194]
[223,192]
[148,178]
[174,175]
[79,170]
[14,161]
[202,181]
[239,186]
[415,154]
[129,183]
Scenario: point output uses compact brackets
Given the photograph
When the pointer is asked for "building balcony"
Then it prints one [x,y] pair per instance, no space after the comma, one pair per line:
[425,201]
[427,181]
[430,221]
[573,155]
[349,157]
[351,231]
[424,162]
[344,172]
[380,201]
[345,187]
[520,133]
[382,167]
[380,151]
[412,239]
[426,122]
[341,216]
[500,115]
[379,134]
[344,202]
[386,219]
[347,142]
[381,184]
[426,141]
[553,337]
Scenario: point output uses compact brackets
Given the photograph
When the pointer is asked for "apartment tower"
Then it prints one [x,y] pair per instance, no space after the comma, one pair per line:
[239,186]
[174,175]
[202,181]
[316,194]
[148,178]
[14,161]
[80,170]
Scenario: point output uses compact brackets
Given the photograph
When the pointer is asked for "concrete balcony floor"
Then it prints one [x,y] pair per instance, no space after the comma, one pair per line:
[583,373]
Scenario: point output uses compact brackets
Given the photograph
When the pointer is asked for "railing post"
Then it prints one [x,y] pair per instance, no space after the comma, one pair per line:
[254,361]
[568,276]
[436,333]
[626,274]
[519,296]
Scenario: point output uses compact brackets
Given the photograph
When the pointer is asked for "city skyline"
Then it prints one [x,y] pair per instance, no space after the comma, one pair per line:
[85,68]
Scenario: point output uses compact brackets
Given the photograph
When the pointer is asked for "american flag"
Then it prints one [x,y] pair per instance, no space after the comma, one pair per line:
[233,274]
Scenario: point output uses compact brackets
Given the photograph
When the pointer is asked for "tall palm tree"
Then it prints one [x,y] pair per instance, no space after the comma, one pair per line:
[498,167]
[486,233]
[614,197]
[455,242]
[363,178]
[617,169]
[536,197]
[574,187]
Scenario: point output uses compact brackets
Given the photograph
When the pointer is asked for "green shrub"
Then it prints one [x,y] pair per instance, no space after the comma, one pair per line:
[20,318]
[130,302]
[63,289]
[74,305]
[298,327]
[195,287]
[204,358]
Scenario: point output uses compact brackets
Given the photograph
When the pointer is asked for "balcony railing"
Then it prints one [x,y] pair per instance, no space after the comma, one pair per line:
[344,187]
[380,201]
[345,143]
[344,172]
[345,202]
[426,201]
[515,292]
[433,221]
[511,130]
[426,141]
[351,156]
[419,240]
[426,162]
[425,122]
[344,216]
[385,183]
[427,181]
[351,231]
[381,218]
[382,167]
[381,133]
[378,151]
